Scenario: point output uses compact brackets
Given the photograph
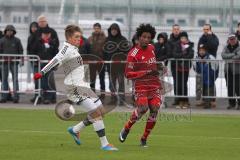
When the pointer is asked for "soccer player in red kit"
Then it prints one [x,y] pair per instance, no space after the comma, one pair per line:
[141,68]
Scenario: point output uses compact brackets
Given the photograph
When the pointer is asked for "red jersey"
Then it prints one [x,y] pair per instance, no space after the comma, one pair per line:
[140,64]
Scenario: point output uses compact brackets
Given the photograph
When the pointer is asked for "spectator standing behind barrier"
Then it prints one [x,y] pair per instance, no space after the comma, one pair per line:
[31,45]
[47,45]
[84,46]
[116,49]
[96,41]
[183,53]
[1,34]
[209,39]
[10,44]
[238,32]
[162,48]
[9,97]
[232,70]
[208,70]
[174,38]
[46,48]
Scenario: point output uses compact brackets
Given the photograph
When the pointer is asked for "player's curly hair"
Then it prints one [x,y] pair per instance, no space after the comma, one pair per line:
[146,28]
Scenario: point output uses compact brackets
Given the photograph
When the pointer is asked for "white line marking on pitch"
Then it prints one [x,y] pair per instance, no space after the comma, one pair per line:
[160,135]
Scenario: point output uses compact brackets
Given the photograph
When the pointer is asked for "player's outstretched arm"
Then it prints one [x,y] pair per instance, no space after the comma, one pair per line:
[53,64]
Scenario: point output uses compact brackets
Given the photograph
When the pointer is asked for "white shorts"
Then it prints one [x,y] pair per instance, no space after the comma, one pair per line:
[90,104]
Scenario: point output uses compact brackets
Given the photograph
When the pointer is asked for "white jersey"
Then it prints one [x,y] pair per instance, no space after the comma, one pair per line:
[71,61]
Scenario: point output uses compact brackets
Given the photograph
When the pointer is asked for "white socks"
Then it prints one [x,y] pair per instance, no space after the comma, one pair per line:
[77,128]
[100,129]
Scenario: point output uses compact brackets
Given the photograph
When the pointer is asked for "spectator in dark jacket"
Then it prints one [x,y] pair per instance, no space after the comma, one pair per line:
[1,34]
[231,53]
[84,46]
[31,50]
[238,32]
[183,53]
[9,97]
[33,28]
[134,40]
[96,41]
[46,47]
[174,38]
[10,44]
[42,23]
[116,49]
[53,46]
[162,47]
[209,39]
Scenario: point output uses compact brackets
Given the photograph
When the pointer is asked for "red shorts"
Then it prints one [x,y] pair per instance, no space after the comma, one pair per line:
[152,98]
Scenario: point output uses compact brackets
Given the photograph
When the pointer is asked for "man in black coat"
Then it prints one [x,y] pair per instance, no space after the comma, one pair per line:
[47,42]
[10,44]
[46,47]
[162,47]
[238,32]
[173,40]
[209,40]
[116,48]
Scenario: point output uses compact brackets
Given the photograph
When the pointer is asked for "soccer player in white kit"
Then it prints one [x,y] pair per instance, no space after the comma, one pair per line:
[77,88]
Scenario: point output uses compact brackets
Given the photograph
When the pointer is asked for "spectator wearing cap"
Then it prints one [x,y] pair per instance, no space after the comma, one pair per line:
[182,53]
[10,44]
[231,53]
[209,40]
[46,47]
[208,70]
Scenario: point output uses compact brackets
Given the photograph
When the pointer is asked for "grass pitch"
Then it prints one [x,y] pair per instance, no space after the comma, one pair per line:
[39,135]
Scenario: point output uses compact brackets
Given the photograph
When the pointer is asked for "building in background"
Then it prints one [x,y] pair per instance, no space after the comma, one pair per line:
[158,12]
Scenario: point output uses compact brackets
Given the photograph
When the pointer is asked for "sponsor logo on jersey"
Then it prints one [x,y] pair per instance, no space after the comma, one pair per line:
[151,60]
[134,52]
[130,65]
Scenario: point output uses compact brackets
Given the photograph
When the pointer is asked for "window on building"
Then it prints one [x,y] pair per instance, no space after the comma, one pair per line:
[19,19]
[170,22]
[119,20]
[201,22]
[25,19]
[14,19]
[214,22]
[108,19]
[235,23]
[182,22]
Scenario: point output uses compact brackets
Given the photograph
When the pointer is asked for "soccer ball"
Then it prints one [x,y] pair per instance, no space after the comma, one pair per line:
[69,112]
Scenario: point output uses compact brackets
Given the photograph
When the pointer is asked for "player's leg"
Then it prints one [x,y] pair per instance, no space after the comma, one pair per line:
[141,104]
[96,112]
[154,105]
[75,130]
